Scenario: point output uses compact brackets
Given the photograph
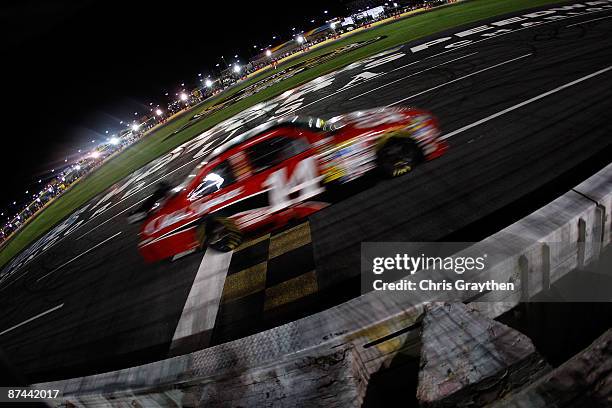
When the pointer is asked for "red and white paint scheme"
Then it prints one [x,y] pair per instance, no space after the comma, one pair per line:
[271,175]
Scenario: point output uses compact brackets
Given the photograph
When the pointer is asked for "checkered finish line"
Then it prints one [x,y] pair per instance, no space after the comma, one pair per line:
[268,278]
[270,281]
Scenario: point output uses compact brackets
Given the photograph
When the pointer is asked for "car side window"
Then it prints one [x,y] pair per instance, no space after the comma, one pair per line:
[273,151]
[219,177]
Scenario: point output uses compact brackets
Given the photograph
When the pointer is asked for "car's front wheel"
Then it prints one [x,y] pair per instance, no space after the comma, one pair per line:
[222,234]
[398,156]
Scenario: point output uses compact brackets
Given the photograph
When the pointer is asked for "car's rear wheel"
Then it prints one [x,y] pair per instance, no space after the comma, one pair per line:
[222,234]
[398,156]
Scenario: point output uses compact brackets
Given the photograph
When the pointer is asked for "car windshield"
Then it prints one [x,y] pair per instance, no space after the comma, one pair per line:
[220,176]
[189,177]
[211,183]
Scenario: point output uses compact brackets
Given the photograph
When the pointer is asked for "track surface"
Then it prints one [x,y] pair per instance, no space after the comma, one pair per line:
[82,301]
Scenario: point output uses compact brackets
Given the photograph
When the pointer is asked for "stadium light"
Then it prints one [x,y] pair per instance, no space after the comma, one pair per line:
[183,96]
[77,167]
[158,112]
[95,154]
[114,141]
[236,68]
[268,53]
[300,39]
[135,126]
[333,25]
[208,83]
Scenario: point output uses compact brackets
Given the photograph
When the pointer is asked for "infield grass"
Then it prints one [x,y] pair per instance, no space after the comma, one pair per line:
[157,142]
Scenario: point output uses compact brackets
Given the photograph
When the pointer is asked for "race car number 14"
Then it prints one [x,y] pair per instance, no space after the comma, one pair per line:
[288,190]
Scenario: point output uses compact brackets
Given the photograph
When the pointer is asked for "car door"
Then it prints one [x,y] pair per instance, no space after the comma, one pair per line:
[286,167]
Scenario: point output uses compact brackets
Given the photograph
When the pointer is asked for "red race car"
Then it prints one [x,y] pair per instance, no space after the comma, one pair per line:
[269,176]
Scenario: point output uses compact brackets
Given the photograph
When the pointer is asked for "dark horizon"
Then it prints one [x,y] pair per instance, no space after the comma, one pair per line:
[74,71]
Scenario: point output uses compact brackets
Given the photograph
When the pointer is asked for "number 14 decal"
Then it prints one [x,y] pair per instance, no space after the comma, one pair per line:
[304,181]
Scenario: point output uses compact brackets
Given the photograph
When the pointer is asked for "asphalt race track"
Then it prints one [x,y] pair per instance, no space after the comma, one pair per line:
[526,113]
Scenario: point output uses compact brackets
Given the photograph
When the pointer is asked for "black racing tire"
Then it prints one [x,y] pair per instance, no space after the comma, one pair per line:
[222,234]
[398,156]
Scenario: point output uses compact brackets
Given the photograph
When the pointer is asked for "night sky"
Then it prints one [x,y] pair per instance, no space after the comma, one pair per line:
[73,69]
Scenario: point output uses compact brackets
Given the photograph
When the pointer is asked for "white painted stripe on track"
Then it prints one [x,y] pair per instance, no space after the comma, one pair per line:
[411,75]
[527,102]
[202,305]
[46,312]
[449,51]
[459,79]
[459,47]
[113,217]
[588,21]
[136,192]
[365,81]
[111,207]
[78,256]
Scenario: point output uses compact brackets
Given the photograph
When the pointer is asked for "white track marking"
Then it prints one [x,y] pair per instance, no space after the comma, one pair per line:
[46,312]
[371,79]
[514,31]
[459,79]
[136,192]
[451,50]
[78,256]
[200,311]
[527,102]
[588,21]
[108,209]
[113,217]
[411,75]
